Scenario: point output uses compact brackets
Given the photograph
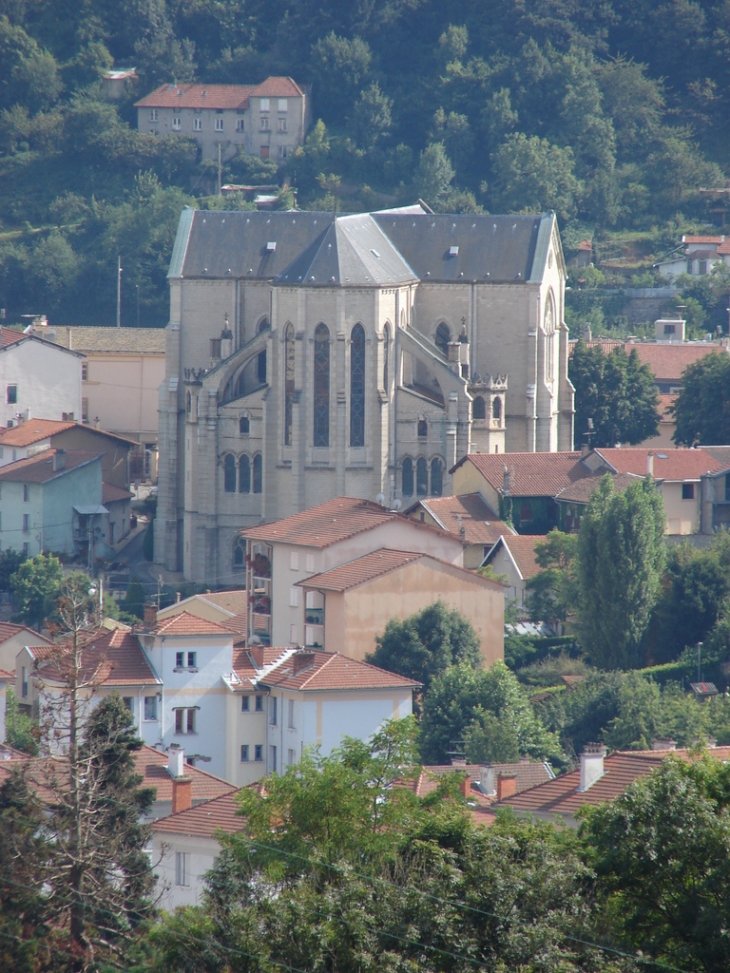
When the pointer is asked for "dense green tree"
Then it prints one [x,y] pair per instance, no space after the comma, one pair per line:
[36,585]
[616,392]
[372,116]
[553,593]
[19,727]
[582,715]
[483,711]
[621,555]
[426,644]
[341,68]
[10,561]
[661,853]
[434,174]
[531,175]
[702,408]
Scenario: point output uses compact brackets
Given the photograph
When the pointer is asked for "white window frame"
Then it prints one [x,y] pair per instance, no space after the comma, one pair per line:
[176,123]
[219,124]
[182,869]
[197,124]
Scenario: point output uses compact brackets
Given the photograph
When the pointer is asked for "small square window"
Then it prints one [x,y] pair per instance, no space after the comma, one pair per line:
[258,752]
[264,104]
[688,491]
[153,114]
[245,704]
[259,704]
[192,660]
[283,104]
[179,660]
[12,395]
[244,753]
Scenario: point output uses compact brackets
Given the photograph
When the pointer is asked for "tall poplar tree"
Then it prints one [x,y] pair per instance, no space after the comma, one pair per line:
[621,556]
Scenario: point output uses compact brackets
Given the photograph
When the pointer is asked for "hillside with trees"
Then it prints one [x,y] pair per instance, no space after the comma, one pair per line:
[611,113]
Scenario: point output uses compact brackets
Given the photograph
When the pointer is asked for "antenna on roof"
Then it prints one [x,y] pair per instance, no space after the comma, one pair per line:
[380,499]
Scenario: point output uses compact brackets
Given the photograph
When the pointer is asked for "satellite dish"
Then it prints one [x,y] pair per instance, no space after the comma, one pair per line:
[396,505]
[380,499]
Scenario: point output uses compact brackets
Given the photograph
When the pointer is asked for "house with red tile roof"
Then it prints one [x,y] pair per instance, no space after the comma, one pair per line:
[12,639]
[37,378]
[696,256]
[468,517]
[227,608]
[268,120]
[346,607]
[279,555]
[513,557]
[598,779]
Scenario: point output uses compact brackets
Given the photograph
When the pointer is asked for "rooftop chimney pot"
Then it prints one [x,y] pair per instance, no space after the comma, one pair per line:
[150,616]
[591,765]
[182,794]
[506,786]
[176,761]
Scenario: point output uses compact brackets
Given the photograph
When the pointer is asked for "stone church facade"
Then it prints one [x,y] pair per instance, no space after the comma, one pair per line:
[311,355]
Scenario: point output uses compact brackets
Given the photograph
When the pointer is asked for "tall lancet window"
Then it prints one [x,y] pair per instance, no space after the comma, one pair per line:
[386,355]
[288,383]
[321,385]
[357,386]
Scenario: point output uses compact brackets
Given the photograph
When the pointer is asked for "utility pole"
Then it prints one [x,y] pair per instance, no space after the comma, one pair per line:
[220,171]
[137,305]
[119,291]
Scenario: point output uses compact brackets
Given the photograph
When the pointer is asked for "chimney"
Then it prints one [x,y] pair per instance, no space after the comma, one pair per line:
[466,787]
[506,480]
[486,780]
[591,765]
[178,597]
[59,460]
[182,794]
[150,616]
[257,655]
[506,786]
[664,743]
[458,761]
[302,660]
[650,464]
[97,422]
[176,761]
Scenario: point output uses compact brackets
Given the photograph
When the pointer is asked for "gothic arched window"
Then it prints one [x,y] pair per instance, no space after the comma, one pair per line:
[244,426]
[386,355]
[229,473]
[437,477]
[289,363]
[321,386]
[496,408]
[478,408]
[421,477]
[261,360]
[407,478]
[244,474]
[443,337]
[357,386]
[257,473]
[239,552]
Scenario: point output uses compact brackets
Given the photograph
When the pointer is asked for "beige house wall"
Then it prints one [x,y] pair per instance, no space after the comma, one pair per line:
[122,390]
[468,479]
[683,516]
[353,619]
[11,647]
[195,606]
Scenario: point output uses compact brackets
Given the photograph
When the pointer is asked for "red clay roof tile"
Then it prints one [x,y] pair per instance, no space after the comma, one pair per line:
[329,522]
[467,516]
[187,624]
[219,814]
[522,549]
[218,96]
[531,474]
[39,468]
[111,658]
[331,671]
[669,463]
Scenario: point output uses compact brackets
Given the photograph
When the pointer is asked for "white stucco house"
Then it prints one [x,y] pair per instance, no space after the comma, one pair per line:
[37,378]
[696,256]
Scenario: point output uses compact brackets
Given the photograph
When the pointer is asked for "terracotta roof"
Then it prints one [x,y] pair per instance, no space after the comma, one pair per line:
[331,671]
[95,340]
[33,431]
[361,570]
[113,658]
[668,361]
[724,248]
[665,400]
[151,764]
[216,96]
[582,490]
[8,630]
[528,773]
[669,463]
[719,453]
[689,238]
[468,513]
[561,796]
[522,549]
[10,337]
[327,523]
[39,468]
[4,674]
[220,814]
[187,624]
[114,494]
[586,245]
[232,601]
[532,474]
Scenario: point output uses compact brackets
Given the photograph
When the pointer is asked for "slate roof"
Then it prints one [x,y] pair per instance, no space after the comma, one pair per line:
[366,249]
[522,549]
[220,814]
[39,468]
[218,95]
[113,658]
[332,671]
[97,340]
[327,523]
[532,474]
[671,464]
[361,570]
[469,513]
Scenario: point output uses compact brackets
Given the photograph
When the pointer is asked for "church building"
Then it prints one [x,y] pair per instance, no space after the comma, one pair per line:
[314,355]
